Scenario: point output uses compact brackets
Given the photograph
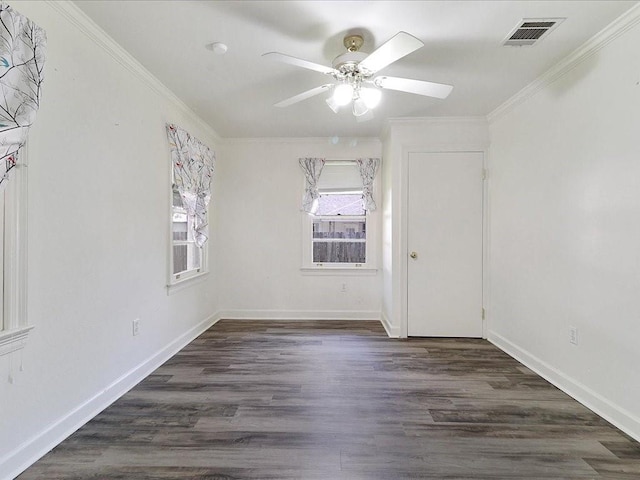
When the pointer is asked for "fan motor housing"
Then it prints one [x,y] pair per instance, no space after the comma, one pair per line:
[348,60]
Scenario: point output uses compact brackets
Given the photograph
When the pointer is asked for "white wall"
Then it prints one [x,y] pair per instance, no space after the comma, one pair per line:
[565,230]
[98,243]
[260,229]
[402,137]
[387,308]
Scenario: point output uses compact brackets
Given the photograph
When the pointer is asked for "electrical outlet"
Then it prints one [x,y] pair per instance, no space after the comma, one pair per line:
[343,289]
[135,327]
[573,335]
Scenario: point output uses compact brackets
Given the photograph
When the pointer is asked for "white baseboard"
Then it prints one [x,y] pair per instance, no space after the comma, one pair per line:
[26,454]
[621,418]
[299,315]
[392,331]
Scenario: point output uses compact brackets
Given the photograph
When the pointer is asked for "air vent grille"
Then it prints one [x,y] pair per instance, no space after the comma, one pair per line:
[530,31]
[528,34]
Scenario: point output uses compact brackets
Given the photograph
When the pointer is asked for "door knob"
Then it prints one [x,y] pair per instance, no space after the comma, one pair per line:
[413,255]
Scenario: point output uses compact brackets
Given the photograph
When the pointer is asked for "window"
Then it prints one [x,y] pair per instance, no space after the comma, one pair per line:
[192,166]
[336,236]
[13,257]
[340,229]
[187,259]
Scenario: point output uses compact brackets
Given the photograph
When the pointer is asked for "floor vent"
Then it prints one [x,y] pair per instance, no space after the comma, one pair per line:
[530,31]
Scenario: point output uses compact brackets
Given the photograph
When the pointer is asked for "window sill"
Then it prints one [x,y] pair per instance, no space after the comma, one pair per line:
[186,282]
[15,339]
[363,271]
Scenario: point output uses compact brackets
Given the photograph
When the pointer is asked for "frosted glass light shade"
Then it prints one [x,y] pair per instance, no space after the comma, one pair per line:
[332,104]
[359,107]
[342,94]
[371,97]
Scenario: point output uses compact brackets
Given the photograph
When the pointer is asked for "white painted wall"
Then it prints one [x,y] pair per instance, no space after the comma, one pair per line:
[455,134]
[260,227]
[387,313]
[98,243]
[565,230]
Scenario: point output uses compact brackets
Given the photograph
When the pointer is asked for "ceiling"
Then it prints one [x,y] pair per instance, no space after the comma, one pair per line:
[235,92]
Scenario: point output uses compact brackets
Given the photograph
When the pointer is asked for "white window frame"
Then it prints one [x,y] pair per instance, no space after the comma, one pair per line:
[14,327]
[179,281]
[368,268]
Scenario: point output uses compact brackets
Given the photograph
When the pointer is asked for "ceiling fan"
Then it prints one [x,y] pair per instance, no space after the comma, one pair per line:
[355,75]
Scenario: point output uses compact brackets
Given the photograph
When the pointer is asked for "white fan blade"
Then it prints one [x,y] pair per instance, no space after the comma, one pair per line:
[419,87]
[281,57]
[395,48]
[304,95]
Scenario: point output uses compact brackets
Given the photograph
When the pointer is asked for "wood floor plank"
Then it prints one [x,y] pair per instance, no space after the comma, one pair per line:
[339,400]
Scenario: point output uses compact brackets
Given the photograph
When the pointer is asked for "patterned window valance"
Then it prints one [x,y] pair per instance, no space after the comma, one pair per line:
[368,167]
[22,56]
[193,164]
[312,168]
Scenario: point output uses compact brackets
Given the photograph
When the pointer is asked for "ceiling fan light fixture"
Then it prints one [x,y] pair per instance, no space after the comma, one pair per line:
[355,73]
[342,94]
[371,97]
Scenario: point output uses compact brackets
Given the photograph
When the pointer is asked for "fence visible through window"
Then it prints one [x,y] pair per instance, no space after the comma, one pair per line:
[340,229]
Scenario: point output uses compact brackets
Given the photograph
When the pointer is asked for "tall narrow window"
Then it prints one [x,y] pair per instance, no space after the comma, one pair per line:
[13,256]
[22,51]
[3,258]
[192,166]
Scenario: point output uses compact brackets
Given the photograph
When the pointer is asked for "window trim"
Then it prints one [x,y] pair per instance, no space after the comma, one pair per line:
[15,329]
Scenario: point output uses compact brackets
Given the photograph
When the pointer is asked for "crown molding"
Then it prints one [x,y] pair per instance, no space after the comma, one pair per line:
[615,29]
[342,141]
[97,35]
[400,121]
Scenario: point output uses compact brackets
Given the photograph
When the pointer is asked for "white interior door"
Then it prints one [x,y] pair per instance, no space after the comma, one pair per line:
[445,192]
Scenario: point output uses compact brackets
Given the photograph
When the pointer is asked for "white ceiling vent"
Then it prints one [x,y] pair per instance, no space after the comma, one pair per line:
[530,31]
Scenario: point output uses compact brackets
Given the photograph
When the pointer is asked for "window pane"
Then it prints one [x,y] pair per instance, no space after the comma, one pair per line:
[5,271]
[176,198]
[186,254]
[339,241]
[179,224]
[186,257]
[179,258]
[340,204]
[339,252]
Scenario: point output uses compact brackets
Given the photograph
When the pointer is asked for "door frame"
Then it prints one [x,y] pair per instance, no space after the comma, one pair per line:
[407,150]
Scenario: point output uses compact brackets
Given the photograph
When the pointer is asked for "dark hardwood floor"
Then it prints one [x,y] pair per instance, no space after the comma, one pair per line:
[339,400]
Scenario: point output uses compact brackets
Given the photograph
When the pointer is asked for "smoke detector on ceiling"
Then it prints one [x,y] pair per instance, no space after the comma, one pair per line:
[530,31]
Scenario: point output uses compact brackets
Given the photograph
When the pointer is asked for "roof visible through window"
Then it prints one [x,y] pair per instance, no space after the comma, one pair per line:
[330,204]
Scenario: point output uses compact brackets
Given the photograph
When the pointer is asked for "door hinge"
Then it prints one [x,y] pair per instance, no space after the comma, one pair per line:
[485,173]
[483,313]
